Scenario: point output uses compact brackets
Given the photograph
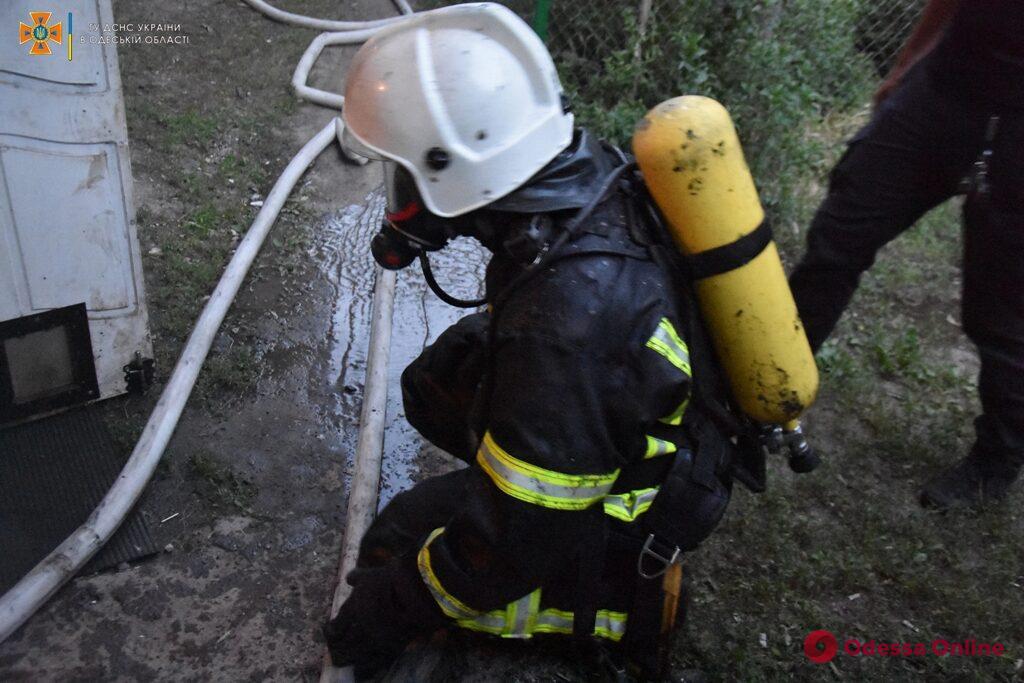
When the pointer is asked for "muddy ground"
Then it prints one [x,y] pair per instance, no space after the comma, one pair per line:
[249,502]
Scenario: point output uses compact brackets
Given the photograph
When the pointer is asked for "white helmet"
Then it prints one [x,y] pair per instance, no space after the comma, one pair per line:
[466,98]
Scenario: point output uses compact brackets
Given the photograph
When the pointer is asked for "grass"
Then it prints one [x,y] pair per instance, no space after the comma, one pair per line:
[190,127]
[219,484]
[847,548]
[213,179]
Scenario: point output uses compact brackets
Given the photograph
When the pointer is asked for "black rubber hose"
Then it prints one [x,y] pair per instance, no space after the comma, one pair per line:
[435,287]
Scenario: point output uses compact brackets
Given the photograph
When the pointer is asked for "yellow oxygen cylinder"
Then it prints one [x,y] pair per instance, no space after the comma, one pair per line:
[693,165]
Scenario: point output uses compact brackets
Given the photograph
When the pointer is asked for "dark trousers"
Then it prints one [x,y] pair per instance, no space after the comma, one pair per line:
[911,157]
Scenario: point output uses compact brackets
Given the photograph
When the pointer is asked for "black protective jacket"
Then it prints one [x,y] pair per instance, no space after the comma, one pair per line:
[568,438]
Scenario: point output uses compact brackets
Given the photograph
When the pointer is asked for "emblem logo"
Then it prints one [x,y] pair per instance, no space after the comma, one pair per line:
[40,33]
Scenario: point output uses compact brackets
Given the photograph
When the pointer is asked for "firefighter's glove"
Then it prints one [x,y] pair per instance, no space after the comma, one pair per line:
[372,627]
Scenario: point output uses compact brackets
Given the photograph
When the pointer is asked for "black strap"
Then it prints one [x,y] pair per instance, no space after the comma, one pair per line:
[569,232]
[709,385]
[643,627]
[733,255]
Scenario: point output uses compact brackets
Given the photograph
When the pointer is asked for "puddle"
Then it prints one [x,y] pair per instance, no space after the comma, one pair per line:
[343,255]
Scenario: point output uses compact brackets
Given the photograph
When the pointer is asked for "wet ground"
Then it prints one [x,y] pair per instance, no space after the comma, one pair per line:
[249,502]
[240,595]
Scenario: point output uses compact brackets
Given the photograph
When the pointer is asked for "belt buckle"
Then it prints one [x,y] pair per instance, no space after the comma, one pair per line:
[649,551]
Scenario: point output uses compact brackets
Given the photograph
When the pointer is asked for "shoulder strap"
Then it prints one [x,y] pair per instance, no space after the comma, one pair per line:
[710,401]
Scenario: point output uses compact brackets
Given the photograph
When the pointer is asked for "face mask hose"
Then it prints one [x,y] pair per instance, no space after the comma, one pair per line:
[444,296]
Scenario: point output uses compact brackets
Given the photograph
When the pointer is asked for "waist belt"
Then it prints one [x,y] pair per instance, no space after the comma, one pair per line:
[690,503]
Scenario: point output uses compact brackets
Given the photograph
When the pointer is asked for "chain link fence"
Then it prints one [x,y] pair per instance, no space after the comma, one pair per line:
[879,29]
[588,36]
[694,40]
[883,27]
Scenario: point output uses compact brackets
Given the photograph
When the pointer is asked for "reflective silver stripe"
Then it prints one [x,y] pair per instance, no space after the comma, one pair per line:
[628,506]
[667,343]
[515,621]
[546,488]
[521,615]
[554,621]
[607,624]
[523,618]
[491,622]
[611,625]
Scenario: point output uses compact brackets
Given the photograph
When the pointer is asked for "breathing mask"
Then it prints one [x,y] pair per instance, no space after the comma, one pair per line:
[408,228]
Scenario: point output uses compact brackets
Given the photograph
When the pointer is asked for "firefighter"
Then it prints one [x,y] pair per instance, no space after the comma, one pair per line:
[953,107]
[570,398]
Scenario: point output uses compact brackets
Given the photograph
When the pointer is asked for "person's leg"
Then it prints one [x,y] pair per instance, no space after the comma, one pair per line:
[408,519]
[993,318]
[910,158]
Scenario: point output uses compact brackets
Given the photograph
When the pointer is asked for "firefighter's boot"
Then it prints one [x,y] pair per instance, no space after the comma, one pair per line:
[981,477]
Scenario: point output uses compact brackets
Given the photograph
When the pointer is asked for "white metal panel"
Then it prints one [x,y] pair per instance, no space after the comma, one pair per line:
[67,224]
[62,195]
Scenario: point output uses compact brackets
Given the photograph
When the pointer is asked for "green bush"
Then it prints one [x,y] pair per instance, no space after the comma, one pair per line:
[777,65]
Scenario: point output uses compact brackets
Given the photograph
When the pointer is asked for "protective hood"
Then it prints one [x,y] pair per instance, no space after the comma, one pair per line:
[569,181]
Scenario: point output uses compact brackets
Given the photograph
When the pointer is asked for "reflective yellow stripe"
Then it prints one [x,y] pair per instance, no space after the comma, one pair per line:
[656,447]
[542,487]
[492,622]
[448,603]
[607,624]
[522,615]
[676,417]
[515,621]
[630,505]
[531,623]
[524,618]
[610,625]
[554,621]
[666,342]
